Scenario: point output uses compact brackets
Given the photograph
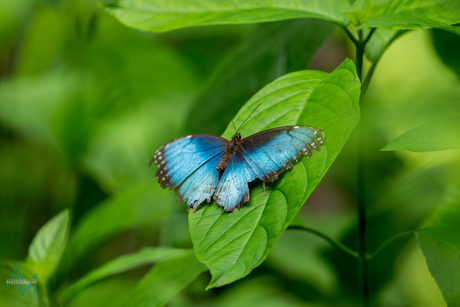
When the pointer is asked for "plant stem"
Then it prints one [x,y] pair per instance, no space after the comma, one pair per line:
[389,241]
[361,203]
[337,244]
[360,189]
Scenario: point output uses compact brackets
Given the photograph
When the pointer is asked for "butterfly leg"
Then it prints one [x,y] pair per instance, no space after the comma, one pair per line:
[263,185]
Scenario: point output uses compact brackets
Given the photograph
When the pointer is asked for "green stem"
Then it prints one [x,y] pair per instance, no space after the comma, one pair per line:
[361,190]
[348,33]
[389,241]
[337,244]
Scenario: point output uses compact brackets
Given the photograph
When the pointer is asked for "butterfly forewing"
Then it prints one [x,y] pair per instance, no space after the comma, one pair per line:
[178,159]
[272,151]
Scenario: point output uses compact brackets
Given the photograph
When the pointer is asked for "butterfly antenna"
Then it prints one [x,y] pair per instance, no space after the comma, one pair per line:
[248,117]
[231,119]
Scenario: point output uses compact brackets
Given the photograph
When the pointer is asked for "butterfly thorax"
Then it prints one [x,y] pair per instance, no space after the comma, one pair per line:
[231,146]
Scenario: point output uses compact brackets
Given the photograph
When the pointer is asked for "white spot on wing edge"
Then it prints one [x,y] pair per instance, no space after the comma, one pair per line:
[295,127]
[188,136]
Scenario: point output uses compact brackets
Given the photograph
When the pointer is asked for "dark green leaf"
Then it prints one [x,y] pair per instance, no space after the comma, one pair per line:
[438,135]
[448,47]
[119,265]
[441,247]
[379,41]
[271,51]
[165,280]
[166,15]
[231,245]
[141,206]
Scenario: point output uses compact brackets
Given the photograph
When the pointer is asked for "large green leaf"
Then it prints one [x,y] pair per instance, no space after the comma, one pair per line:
[119,265]
[166,15]
[49,243]
[231,245]
[272,50]
[416,14]
[164,280]
[437,135]
[441,247]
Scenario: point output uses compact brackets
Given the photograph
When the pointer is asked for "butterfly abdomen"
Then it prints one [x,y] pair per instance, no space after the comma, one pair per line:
[228,152]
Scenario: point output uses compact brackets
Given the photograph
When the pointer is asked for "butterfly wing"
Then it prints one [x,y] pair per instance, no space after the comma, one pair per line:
[188,164]
[233,191]
[270,152]
[264,155]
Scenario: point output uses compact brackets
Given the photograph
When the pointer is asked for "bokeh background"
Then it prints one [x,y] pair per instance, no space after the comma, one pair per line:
[85,102]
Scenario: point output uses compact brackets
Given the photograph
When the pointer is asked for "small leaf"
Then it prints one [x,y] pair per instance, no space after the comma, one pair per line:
[50,241]
[360,11]
[232,245]
[441,247]
[379,41]
[165,280]
[167,15]
[437,135]
[119,265]
[416,14]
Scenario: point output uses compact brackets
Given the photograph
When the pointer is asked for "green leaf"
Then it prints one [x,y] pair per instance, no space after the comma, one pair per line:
[272,50]
[437,135]
[119,265]
[380,40]
[360,11]
[416,14]
[140,206]
[441,247]
[50,241]
[231,245]
[166,15]
[165,280]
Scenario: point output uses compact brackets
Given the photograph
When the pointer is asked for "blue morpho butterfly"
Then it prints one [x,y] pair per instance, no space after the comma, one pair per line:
[202,166]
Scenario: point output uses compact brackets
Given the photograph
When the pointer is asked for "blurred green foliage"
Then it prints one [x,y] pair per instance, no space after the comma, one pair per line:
[85,101]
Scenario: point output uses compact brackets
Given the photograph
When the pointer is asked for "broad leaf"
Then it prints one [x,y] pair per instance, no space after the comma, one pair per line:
[165,280]
[231,245]
[50,241]
[437,135]
[272,50]
[119,265]
[416,14]
[166,15]
[441,247]
[140,206]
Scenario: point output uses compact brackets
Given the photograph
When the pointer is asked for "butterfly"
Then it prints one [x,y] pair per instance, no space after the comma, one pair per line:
[204,166]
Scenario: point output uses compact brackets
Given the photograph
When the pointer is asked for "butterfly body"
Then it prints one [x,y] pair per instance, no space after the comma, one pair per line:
[229,150]
[203,166]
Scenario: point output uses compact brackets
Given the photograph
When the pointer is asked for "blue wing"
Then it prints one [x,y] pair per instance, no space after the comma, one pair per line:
[188,164]
[233,191]
[264,155]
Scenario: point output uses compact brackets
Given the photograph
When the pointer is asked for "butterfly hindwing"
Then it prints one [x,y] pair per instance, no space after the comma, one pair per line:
[233,191]
[188,164]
